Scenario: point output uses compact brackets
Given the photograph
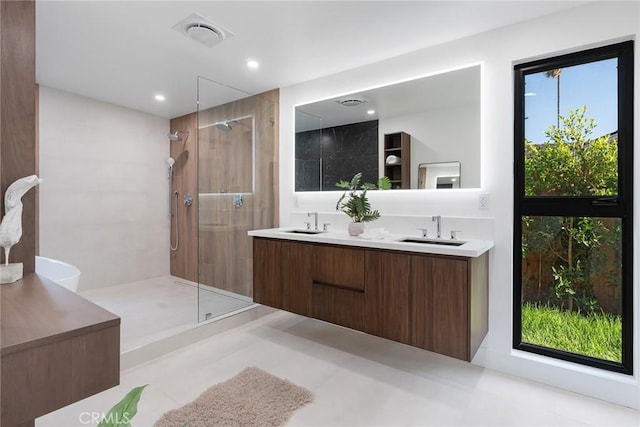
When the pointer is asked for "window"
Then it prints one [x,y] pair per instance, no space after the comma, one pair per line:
[573,238]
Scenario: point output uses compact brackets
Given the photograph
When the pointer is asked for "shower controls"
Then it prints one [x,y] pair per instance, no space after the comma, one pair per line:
[237,200]
[188,199]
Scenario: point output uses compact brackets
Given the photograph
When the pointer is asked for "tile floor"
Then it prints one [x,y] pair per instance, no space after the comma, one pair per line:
[357,379]
[160,307]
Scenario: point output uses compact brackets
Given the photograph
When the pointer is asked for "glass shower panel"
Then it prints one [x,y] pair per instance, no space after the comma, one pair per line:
[236,193]
[308,155]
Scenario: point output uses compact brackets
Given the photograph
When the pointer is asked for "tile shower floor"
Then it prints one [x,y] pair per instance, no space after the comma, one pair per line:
[357,380]
[160,307]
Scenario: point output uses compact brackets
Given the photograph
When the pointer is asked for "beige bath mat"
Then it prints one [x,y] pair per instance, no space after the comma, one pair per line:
[251,398]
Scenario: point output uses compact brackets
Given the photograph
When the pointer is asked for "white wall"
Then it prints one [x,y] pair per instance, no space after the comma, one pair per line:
[103,199]
[587,26]
[446,135]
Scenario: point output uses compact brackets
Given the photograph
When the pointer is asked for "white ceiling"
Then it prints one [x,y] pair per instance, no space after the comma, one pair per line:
[125,52]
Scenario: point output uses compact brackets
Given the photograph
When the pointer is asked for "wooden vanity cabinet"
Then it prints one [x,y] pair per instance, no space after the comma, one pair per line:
[435,302]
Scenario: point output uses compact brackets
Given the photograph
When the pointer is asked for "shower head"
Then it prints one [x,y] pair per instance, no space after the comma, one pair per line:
[176,135]
[223,125]
[171,161]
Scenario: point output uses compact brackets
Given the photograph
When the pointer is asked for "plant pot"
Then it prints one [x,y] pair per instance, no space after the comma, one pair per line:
[356,228]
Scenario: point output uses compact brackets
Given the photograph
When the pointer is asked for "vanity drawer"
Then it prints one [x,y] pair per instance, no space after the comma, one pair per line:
[341,306]
[338,266]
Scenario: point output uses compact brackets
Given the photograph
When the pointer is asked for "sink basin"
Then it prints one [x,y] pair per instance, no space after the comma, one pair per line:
[305,231]
[432,241]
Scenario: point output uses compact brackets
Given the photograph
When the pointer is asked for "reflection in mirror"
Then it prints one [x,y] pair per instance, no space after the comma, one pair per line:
[340,136]
[439,175]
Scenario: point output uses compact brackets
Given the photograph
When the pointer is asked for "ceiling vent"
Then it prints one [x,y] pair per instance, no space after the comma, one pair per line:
[200,29]
[351,101]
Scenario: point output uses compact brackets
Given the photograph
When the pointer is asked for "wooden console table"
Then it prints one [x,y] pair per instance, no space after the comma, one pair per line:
[56,348]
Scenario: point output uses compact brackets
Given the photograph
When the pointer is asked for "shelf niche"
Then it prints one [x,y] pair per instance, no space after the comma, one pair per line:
[398,144]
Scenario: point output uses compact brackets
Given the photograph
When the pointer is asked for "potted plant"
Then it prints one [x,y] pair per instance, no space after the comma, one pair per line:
[355,204]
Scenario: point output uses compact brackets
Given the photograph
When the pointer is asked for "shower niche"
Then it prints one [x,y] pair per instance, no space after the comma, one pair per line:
[228,152]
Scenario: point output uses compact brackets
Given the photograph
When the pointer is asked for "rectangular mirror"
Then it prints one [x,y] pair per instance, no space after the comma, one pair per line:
[438,115]
[439,175]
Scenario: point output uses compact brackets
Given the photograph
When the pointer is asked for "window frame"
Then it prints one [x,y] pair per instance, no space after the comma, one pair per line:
[620,206]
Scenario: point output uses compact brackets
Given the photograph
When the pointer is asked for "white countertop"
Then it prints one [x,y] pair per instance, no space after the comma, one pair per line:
[471,248]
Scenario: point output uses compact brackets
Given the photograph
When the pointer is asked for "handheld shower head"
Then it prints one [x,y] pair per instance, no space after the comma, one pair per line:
[171,161]
[176,135]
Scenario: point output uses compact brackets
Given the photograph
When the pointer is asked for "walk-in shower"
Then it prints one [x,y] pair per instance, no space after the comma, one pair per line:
[237,190]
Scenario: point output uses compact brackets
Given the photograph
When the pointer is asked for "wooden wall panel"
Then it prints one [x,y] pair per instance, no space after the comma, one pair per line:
[184,261]
[18,151]
[220,234]
[227,158]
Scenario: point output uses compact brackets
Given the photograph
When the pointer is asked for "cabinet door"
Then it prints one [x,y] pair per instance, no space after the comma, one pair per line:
[440,309]
[267,275]
[421,302]
[295,270]
[387,295]
[450,321]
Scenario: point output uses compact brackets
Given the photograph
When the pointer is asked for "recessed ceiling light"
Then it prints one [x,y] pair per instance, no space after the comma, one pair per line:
[371,112]
[253,64]
[160,98]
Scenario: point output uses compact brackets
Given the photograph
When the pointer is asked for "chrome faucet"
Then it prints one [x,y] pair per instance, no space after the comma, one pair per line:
[315,219]
[438,220]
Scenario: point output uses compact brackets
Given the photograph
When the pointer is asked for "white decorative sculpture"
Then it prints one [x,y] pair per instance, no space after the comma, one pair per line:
[11,225]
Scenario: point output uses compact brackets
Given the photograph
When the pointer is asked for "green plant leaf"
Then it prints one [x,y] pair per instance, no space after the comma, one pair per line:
[354,202]
[384,183]
[122,412]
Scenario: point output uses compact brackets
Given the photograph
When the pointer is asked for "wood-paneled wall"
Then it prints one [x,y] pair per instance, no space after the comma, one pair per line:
[214,247]
[18,149]
[184,260]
